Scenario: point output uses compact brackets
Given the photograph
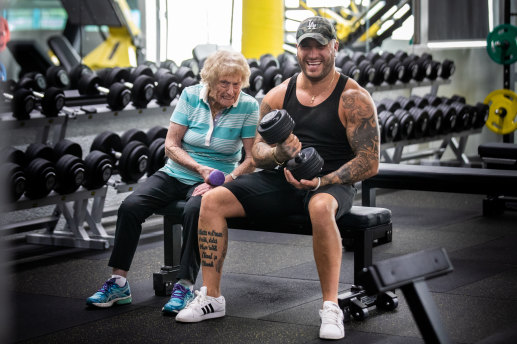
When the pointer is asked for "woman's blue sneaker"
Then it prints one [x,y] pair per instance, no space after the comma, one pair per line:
[180,298]
[109,294]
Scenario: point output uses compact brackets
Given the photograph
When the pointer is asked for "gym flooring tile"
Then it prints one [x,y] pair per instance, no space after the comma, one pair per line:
[470,319]
[501,286]
[465,272]
[498,250]
[147,325]
[38,315]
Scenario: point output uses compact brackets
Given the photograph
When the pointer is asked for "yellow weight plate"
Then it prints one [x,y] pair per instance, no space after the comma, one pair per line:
[502,113]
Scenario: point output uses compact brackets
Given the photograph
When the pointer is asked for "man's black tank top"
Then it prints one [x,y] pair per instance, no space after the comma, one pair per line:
[320,127]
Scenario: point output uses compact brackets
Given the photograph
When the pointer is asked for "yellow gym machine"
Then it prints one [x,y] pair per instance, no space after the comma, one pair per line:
[121,46]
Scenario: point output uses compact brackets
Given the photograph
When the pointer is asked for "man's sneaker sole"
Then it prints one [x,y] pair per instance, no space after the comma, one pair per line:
[119,301]
[205,317]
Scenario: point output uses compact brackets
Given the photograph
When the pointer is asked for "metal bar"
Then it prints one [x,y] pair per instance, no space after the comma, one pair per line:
[425,312]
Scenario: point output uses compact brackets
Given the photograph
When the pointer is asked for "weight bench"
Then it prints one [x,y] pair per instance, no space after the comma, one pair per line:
[481,181]
[363,227]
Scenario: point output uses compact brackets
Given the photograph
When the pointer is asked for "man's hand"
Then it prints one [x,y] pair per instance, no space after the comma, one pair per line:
[303,184]
[288,149]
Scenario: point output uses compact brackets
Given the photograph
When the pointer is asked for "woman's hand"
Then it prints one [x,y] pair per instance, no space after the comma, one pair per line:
[201,189]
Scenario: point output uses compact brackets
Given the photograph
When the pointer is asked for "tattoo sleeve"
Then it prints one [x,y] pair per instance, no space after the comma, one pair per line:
[261,150]
[363,136]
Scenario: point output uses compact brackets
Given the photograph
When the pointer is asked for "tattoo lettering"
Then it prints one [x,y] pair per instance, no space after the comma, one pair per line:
[209,247]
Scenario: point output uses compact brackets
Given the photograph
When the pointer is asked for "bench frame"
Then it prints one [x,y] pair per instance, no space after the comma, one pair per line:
[364,238]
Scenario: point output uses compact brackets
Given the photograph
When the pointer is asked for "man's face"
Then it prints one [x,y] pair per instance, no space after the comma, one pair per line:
[316,60]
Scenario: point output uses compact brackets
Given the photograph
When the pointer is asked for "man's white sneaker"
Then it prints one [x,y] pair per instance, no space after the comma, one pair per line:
[332,326]
[203,307]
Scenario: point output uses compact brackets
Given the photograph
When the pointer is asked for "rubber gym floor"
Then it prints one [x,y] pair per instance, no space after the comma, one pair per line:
[271,284]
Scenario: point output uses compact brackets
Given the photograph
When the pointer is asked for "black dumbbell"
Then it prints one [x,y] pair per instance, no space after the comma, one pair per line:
[58,77]
[382,70]
[157,157]
[288,65]
[156,132]
[350,69]
[435,120]
[481,114]
[449,118]
[421,118]
[66,156]
[139,80]
[420,102]
[98,169]
[406,126]
[397,69]
[256,81]
[21,101]
[463,116]
[275,127]
[33,81]
[164,89]
[70,167]
[405,103]
[448,69]
[13,175]
[389,126]
[133,135]
[118,95]
[387,104]
[432,68]
[77,73]
[170,65]
[130,161]
[271,69]
[186,77]
[41,178]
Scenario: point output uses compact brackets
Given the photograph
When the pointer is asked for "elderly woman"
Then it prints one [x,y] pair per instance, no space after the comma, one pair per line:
[211,123]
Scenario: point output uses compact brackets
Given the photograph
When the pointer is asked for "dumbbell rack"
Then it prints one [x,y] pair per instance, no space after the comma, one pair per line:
[82,210]
[448,140]
[56,125]
[76,211]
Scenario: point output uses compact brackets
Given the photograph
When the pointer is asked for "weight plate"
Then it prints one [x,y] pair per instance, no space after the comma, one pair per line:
[107,142]
[154,133]
[68,147]
[501,44]
[133,135]
[502,112]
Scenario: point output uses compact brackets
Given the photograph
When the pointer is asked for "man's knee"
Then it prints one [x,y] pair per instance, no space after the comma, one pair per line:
[322,205]
[222,202]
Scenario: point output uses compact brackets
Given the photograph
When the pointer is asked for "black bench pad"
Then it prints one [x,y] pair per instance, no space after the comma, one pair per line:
[480,181]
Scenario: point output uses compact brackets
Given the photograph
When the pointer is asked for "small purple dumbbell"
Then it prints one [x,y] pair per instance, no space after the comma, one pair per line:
[216,178]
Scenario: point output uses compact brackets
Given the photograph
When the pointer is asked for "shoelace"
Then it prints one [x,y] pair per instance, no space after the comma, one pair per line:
[107,285]
[331,313]
[200,298]
[179,291]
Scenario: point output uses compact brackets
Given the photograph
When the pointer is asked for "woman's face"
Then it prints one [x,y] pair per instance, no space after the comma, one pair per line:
[226,90]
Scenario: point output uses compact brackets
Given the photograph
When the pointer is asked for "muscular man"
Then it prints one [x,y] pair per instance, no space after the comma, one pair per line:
[338,118]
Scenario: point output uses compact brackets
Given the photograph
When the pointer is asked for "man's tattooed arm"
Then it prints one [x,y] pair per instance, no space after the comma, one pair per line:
[363,135]
[262,152]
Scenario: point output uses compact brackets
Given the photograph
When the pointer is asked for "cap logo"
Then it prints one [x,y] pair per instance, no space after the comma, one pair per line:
[311,25]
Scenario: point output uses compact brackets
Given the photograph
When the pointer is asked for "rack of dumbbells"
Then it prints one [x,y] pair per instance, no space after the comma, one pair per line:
[414,120]
[51,171]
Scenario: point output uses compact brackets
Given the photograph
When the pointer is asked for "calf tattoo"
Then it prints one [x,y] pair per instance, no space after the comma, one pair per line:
[212,248]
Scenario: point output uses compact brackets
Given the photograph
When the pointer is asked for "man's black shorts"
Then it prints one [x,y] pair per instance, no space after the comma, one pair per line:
[266,194]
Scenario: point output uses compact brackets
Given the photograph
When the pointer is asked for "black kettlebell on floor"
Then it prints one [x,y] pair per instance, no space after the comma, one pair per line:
[275,127]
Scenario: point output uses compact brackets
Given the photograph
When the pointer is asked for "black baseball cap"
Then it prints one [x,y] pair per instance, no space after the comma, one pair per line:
[319,28]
